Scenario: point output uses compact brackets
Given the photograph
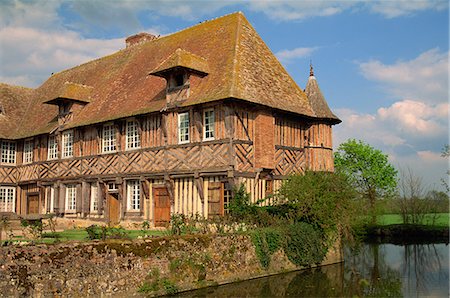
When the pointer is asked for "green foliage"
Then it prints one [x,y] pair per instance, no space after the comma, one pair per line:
[102,232]
[34,227]
[240,206]
[305,245]
[323,199]
[369,170]
[169,286]
[177,224]
[266,242]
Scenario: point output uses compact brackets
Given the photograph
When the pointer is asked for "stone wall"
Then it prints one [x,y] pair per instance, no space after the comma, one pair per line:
[120,268]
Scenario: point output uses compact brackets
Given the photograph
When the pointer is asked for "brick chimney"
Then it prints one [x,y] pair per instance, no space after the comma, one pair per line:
[139,38]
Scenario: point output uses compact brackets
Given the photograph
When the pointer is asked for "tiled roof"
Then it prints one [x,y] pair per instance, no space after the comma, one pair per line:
[318,102]
[13,104]
[239,65]
[184,59]
[72,91]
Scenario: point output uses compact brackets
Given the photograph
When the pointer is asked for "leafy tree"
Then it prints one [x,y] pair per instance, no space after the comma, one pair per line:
[368,169]
[446,154]
[322,199]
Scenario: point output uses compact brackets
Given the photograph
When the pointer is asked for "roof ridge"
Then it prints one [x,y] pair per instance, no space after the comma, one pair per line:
[235,57]
[202,23]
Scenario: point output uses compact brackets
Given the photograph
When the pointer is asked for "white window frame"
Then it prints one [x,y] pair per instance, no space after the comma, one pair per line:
[67,144]
[109,139]
[28,146]
[71,197]
[51,200]
[134,195]
[183,131]
[132,138]
[94,198]
[8,152]
[7,196]
[52,151]
[208,128]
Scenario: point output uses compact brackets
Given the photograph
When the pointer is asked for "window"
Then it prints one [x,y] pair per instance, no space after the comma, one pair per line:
[227,196]
[208,125]
[52,148]
[109,138]
[183,128]
[133,140]
[8,152]
[71,197]
[134,195]
[94,197]
[7,199]
[179,80]
[28,151]
[67,144]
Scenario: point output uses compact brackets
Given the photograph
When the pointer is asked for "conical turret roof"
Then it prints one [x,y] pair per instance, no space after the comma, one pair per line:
[317,100]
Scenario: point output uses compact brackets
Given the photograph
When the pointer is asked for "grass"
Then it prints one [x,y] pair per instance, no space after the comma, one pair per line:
[82,235]
[441,219]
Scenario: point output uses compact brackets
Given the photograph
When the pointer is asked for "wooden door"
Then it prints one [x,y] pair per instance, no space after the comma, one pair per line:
[33,204]
[161,209]
[113,209]
[215,199]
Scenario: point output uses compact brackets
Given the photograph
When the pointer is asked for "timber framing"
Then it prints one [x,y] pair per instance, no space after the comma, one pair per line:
[175,141]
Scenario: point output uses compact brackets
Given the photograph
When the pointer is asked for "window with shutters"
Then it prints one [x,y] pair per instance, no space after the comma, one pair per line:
[52,148]
[208,125]
[134,195]
[8,155]
[109,138]
[67,144]
[133,140]
[71,197]
[28,151]
[7,199]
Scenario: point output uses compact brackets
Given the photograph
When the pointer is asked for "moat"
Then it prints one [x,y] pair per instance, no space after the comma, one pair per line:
[376,270]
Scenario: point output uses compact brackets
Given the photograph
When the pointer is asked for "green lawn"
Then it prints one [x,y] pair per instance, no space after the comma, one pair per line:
[441,219]
[82,235]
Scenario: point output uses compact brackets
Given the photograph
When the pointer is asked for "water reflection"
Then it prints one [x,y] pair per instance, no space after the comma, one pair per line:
[372,271]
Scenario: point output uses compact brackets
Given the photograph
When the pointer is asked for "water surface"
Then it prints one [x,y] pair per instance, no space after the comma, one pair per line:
[374,270]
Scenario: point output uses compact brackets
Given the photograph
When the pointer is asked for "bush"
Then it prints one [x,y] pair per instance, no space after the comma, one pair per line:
[305,245]
[322,199]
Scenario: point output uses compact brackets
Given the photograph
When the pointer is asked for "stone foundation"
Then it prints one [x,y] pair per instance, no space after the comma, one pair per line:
[120,268]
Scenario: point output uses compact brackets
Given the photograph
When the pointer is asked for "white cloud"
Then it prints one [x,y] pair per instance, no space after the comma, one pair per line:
[29,56]
[425,77]
[392,9]
[416,118]
[287,56]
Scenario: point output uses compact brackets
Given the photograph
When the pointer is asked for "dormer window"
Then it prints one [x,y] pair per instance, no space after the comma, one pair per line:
[177,70]
[178,80]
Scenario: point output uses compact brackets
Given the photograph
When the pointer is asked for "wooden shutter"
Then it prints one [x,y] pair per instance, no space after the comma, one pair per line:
[79,197]
[215,199]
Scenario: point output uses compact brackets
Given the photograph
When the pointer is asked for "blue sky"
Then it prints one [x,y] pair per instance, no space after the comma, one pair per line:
[382,65]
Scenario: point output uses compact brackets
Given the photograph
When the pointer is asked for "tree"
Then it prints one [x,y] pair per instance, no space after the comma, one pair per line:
[446,154]
[368,169]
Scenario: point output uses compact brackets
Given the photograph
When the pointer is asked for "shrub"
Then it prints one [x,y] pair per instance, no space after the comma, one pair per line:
[94,232]
[322,199]
[305,244]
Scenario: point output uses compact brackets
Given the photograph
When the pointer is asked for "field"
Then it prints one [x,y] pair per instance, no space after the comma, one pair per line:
[440,219]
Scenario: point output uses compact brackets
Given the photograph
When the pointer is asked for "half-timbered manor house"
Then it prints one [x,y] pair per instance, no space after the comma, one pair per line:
[166,125]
